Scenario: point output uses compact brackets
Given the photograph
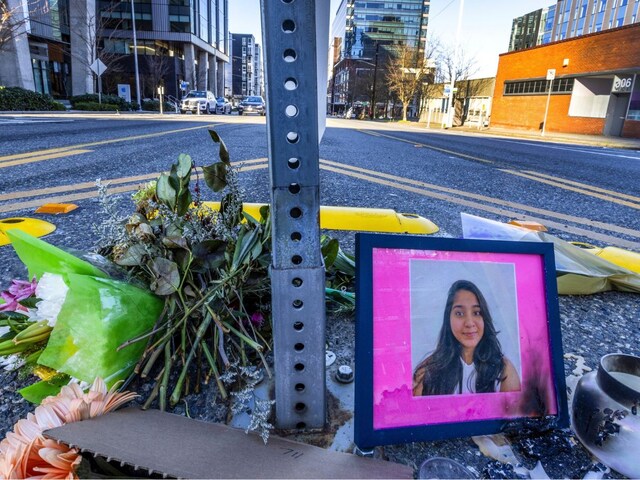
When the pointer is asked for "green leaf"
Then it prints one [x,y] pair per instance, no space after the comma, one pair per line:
[39,391]
[185,164]
[264,212]
[215,176]
[7,317]
[330,252]
[183,202]
[165,192]
[224,153]
[244,247]
[167,276]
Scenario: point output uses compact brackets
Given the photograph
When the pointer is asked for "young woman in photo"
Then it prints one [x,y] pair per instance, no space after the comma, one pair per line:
[468,357]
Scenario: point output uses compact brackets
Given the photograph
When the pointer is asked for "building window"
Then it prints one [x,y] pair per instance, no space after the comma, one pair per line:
[538,87]
[634,103]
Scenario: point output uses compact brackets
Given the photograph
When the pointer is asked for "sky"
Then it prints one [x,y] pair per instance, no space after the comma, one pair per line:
[485,28]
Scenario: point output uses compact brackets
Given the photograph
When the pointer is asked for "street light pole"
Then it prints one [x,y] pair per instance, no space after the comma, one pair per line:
[372,114]
[135,54]
[451,108]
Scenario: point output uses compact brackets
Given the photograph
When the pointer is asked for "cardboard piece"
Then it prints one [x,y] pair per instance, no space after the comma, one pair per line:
[184,448]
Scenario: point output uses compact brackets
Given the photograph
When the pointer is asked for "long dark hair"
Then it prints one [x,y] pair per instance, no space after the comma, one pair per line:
[443,370]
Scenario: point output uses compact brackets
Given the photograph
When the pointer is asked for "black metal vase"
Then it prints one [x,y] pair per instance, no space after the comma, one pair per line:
[605,414]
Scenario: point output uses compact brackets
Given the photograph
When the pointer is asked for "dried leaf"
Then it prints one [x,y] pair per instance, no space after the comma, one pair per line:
[175,241]
[132,256]
[167,276]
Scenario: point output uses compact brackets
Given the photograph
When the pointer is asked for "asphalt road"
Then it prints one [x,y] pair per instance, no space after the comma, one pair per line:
[580,193]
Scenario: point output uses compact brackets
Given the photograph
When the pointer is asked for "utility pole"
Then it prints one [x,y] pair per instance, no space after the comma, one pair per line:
[372,113]
[551,75]
[135,54]
[451,108]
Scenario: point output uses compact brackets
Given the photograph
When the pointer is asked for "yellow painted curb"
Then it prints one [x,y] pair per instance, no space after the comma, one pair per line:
[619,256]
[358,219]
[32,226]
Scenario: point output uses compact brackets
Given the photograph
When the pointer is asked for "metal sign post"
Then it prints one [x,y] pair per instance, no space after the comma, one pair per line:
[551,75]
[98,68]
[297,271]
[161,94]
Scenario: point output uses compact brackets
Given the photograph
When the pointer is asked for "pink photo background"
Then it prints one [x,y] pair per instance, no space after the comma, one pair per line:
[394,403]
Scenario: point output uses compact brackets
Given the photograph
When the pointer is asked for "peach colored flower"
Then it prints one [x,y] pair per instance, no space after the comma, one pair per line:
[25,453]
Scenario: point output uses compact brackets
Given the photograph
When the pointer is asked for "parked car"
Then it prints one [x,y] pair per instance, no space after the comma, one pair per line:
[222,105]
[202,101]
[252,105]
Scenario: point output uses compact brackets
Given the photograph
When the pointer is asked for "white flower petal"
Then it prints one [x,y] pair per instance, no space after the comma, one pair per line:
[52,291]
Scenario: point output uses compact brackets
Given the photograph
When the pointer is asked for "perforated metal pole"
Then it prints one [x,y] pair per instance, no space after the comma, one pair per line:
[297,271]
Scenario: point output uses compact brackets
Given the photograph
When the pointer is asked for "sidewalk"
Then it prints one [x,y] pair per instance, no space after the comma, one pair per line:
[553,137]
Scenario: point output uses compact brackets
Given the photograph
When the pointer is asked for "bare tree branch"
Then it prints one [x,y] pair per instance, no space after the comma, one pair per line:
[408,69]
[12,21]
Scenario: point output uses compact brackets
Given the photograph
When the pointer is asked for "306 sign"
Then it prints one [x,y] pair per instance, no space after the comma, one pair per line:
[622,84]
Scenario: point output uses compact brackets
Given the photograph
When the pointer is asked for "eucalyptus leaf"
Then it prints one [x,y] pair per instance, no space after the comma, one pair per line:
[165,192]
[215,176]
[185,164]
[183,202]
[167,276]
[224,153]
[175,241]
[132,256]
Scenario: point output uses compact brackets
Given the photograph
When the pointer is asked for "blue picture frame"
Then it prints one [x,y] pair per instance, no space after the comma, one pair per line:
[387,410]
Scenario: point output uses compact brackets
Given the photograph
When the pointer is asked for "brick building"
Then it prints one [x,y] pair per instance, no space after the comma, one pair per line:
[596,89]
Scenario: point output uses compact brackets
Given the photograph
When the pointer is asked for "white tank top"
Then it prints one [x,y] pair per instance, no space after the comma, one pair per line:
[469,379]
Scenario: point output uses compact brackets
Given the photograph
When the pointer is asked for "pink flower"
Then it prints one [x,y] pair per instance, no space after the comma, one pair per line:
[25,453]
[257,318]
[10,303]
[21,289]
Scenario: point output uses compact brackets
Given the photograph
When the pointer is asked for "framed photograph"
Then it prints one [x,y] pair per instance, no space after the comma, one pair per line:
[455,338]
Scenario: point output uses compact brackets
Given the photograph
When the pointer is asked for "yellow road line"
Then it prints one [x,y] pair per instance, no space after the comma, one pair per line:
[111,181]
[483,198]
[34,154]
[132,185]
[573,189]
[499,211]
[418,144]
[40,158]
[538,177]
[101,142]
[584,185]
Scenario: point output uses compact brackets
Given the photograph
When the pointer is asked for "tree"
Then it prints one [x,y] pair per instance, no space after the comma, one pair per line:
[454,66]
[158,67]
[12,21]
[407,70]
[92,33]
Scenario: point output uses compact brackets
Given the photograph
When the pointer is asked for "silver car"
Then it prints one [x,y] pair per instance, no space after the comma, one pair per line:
[222,105]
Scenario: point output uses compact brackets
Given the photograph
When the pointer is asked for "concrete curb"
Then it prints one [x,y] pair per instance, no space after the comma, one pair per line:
[576,139]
